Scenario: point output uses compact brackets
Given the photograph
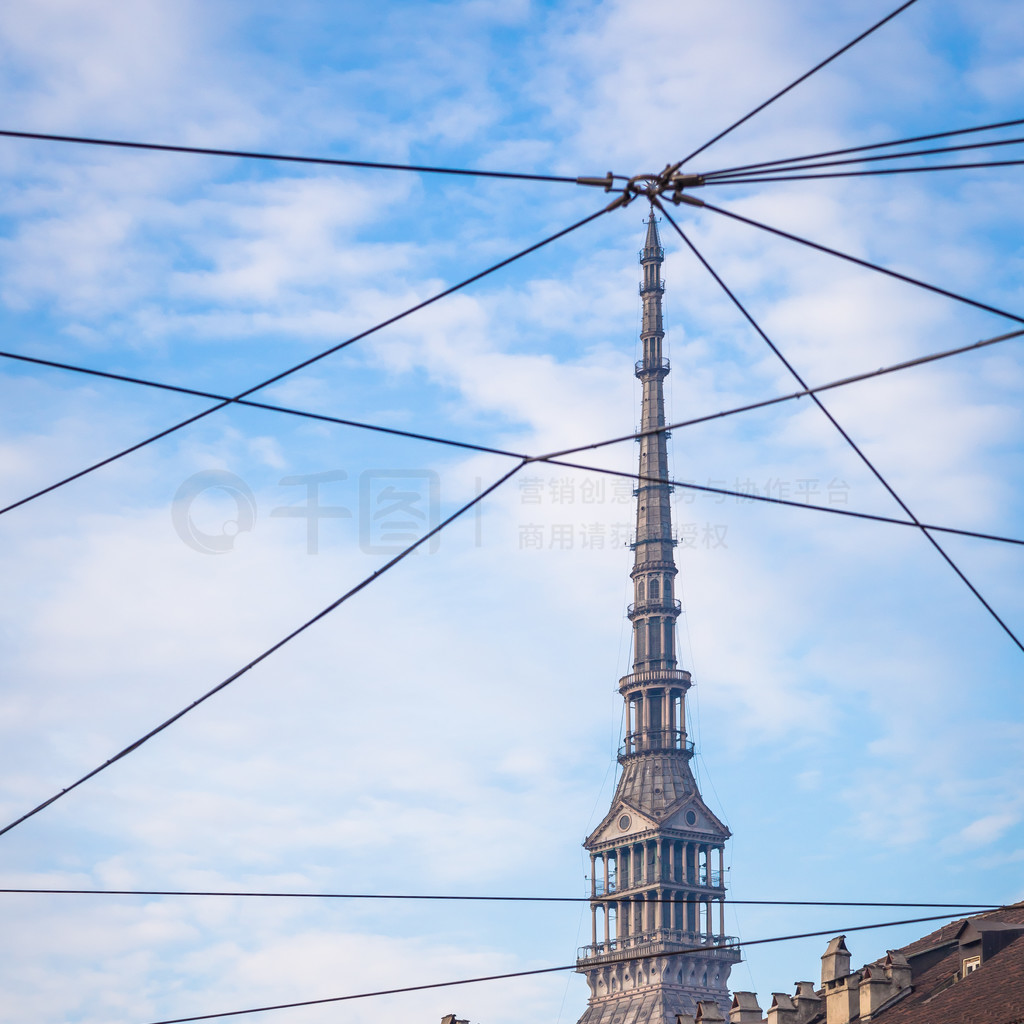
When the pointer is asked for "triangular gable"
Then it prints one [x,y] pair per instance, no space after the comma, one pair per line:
[693,815]
[621,822]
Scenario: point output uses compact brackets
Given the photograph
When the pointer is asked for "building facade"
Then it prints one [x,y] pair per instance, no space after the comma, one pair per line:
[969,971]
[657,858]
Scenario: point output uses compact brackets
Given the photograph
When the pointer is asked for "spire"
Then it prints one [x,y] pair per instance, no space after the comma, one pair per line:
[652,244]
[657,858]
[655,609]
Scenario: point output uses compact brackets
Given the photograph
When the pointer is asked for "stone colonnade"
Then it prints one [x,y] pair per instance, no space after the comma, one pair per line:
[667,867]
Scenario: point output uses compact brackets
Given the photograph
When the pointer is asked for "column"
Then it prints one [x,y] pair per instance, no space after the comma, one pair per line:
[593,875]
[721,918]
[607,937]
[593,926]
[604,864]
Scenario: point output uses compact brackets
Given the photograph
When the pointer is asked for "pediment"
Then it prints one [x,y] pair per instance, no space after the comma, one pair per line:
[693,815]
[621,822]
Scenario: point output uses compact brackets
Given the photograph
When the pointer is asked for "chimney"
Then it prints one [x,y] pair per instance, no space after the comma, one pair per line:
[875,989]
[709,1013]
[835,961]
[807,1001]
[897,968]
[782,1010]
[684,1018]
[450,1018]
[745,1009]
[842,999]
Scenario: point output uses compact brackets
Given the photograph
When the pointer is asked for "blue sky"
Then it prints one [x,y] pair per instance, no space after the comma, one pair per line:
[452,729]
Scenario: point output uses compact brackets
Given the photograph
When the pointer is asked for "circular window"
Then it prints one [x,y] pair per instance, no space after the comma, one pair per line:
[624,822]
[691,818]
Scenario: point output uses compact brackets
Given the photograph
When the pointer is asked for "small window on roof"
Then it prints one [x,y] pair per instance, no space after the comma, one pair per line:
[971,963]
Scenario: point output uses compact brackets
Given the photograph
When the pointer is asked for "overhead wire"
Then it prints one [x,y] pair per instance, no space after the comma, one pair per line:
[862,263]
[243,154]
[809,163]
[365,582]
[303,364]
[240,400]
[788,503]
[266,406]
[557,457]
[803,78]
[553,459]
[845,435]
[873,145]
[755,179]
[548,970]
[803,393]
[350,593]
[447,897]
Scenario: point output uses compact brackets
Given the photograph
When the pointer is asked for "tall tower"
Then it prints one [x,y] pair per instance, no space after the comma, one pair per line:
[657,858]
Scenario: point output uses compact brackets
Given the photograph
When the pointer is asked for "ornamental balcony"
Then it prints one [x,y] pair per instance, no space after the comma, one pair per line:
[650,741]
[652,367]
[664,940]
[654,607]
[655,536]
[656,677]
[652,252]
[654,286]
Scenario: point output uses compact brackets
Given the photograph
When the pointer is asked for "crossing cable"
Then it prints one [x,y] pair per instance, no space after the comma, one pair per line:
[732,946]
[484,899]
[803,393]
[308,362]
[557,458]
[767,164]
[636,436]
[748,496]
[846,437]
[267,406]
[361,585]
[802,78]
[691,200]
[243,154]
[808,163]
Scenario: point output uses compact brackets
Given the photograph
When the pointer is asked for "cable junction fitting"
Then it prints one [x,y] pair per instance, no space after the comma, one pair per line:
[669,184]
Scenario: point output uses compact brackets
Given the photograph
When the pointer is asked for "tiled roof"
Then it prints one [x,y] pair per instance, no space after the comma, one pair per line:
[993,994]
[947,933]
